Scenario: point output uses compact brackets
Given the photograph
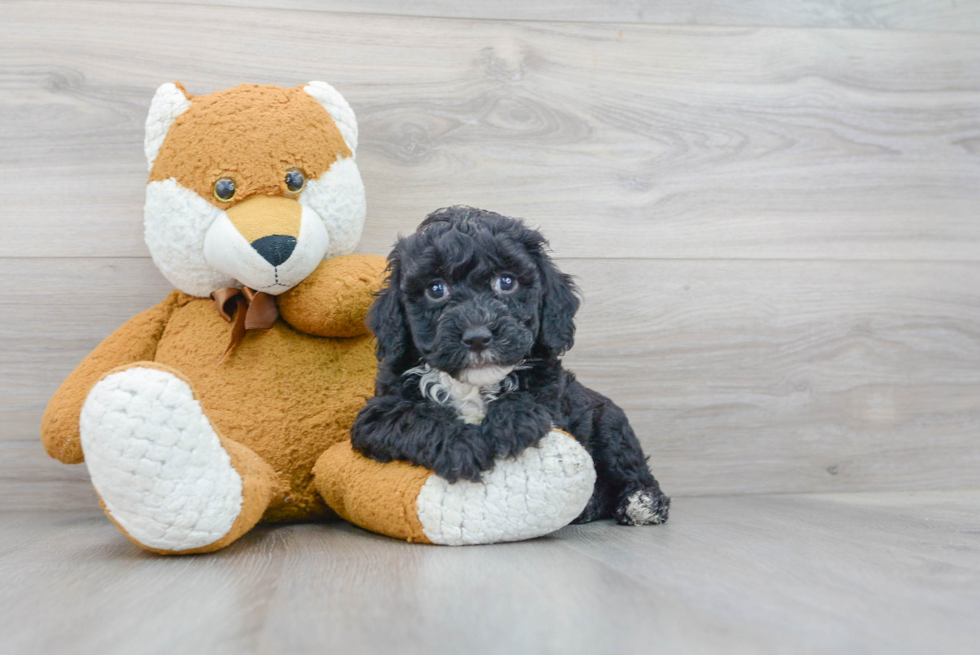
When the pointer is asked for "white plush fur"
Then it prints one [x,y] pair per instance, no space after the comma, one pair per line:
[228,251]
[338,108]
[168,103]
[178,222]
[541,490]
[156,461]
[338,198]
[470,394]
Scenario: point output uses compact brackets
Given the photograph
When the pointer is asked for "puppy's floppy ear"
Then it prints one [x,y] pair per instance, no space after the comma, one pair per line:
[558,306]
[387,319]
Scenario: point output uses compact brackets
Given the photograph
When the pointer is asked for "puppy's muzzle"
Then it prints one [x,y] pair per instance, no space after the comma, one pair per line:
[477,338]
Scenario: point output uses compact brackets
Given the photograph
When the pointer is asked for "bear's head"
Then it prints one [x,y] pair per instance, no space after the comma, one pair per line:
[252,186]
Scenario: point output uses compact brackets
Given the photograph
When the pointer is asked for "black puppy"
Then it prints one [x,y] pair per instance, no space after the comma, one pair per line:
[469,329]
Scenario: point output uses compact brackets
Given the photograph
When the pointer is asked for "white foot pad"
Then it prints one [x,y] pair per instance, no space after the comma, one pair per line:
[543,489]
[156,461]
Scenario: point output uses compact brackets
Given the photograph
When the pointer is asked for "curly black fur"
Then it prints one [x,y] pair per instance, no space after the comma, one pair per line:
[466,250]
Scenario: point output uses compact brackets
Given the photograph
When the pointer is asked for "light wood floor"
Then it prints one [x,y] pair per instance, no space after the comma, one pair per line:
[889,573]
[771,207]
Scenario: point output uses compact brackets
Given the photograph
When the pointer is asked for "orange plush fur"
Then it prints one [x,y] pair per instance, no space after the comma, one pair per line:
[286,394]
[229,132]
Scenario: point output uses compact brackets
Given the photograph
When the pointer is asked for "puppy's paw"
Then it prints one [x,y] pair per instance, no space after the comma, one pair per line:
[514,426]
[643,507]
[464,458]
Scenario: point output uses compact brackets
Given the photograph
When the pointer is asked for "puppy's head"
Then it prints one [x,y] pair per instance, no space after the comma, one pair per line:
[472,293]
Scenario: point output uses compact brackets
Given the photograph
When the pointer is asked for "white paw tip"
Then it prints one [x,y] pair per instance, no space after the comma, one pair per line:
[543,489]
[157,462]
[643,508]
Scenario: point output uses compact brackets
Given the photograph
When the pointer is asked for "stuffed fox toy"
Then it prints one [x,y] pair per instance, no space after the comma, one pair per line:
[231,401]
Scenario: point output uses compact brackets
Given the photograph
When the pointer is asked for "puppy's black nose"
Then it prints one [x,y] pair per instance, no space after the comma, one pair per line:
[477,338]
[275,248]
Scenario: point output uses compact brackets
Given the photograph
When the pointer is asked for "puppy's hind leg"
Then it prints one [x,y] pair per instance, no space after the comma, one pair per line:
[625,487]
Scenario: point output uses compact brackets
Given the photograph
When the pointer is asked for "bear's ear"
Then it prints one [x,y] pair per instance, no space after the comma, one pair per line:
[169,102]
[341,113]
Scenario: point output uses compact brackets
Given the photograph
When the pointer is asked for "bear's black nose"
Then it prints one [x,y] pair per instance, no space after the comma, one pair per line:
[275,248]
[477,338]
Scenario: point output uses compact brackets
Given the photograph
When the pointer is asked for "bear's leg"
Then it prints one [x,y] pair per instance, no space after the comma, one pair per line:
[539,491]
[167,479]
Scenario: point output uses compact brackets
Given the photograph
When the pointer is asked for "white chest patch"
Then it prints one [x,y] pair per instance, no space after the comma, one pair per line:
[470,393]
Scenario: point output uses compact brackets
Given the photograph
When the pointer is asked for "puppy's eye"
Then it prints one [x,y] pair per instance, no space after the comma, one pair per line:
[224,189]
[505,284]
[438,290]
[295,180]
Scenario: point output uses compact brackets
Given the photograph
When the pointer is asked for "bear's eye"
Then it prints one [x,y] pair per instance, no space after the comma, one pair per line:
[505,283]
[437,290]
[295,180]
[224,189]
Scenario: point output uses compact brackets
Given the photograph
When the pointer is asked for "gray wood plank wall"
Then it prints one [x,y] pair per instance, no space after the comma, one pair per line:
[947,15]
[771,207]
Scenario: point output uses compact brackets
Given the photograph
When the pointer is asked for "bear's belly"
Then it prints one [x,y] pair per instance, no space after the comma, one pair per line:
[285,394]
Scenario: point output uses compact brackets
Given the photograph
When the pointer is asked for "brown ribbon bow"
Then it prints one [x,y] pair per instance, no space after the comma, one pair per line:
[252,310]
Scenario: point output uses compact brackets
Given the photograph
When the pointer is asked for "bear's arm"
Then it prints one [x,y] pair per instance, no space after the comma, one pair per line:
[135,341]
[333,300]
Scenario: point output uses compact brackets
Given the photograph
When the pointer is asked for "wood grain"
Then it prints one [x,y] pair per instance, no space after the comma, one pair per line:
[868,573]
[621,141]
[946,15]
[739,376]
[775,231]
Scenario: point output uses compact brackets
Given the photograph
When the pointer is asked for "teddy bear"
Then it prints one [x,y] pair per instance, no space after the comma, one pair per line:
[231,401]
